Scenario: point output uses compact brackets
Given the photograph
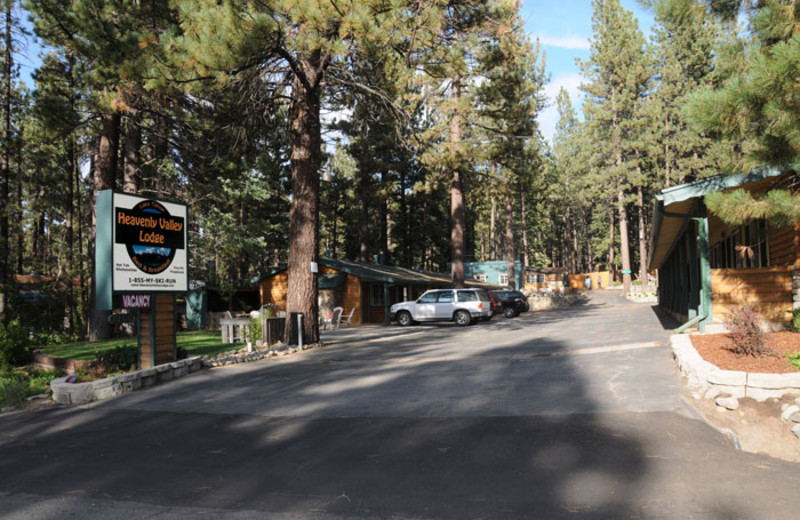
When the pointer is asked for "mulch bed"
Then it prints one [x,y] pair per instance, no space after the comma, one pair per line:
[715,348]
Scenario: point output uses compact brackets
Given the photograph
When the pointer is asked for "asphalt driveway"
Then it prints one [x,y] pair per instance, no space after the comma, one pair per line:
[571,413]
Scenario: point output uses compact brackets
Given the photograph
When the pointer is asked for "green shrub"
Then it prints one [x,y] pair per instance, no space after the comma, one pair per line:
[14,349]
[253,330]
[744,329]
[118,359]
[13,390]
[794,360]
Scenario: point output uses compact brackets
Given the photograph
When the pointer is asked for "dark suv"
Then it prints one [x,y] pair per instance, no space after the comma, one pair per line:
[512,302]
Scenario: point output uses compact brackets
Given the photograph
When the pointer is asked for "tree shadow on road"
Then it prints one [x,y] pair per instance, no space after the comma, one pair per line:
[389,430]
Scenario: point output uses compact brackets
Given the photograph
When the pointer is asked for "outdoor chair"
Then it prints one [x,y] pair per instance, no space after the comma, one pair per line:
[349,319]
[336,317]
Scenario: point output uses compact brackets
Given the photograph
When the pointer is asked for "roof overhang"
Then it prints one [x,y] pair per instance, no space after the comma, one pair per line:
[675,206]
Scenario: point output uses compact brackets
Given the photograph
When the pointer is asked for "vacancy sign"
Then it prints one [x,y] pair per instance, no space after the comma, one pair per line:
[141,245]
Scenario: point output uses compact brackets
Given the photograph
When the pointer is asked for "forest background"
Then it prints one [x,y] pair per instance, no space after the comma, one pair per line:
[430,112]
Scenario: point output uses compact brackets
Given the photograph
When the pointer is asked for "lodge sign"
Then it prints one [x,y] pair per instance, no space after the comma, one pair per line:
[142,246]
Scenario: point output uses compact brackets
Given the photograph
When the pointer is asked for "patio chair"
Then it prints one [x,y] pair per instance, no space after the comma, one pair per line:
[349,320]
[336,317]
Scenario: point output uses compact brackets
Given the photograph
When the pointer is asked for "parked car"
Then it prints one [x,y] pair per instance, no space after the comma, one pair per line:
[512,302]
[463,306]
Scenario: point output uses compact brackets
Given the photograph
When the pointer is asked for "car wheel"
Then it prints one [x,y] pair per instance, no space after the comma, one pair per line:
[404,319]
[508,312]
[462,318]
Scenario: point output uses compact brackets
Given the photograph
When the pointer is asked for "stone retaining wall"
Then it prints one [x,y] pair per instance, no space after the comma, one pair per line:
[703,375]
[80,393]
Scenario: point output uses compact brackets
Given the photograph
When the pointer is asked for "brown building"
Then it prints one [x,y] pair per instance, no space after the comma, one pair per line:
[370,289]
[706,267]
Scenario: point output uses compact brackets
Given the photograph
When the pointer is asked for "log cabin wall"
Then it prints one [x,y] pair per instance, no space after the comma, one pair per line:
[274,289]
[768,287]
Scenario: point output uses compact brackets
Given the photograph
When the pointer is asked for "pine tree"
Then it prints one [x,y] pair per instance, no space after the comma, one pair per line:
[618,75]
[755,98]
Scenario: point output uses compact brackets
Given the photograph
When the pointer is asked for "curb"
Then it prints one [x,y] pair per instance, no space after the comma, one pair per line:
[82,393]
[702,375]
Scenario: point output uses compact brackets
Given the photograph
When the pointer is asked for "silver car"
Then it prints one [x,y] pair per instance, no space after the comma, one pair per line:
[463,306]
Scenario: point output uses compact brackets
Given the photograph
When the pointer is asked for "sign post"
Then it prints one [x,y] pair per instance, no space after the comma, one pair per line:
[142,255]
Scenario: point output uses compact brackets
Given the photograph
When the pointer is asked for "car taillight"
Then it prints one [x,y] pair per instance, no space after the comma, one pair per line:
[480,306]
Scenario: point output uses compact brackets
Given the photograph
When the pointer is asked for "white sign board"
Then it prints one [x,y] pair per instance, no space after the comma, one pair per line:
[149,245]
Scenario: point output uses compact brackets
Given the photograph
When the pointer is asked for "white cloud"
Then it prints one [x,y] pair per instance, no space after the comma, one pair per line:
[572,42]
[549,116]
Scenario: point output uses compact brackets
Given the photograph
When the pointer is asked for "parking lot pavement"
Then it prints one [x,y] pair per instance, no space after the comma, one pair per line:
[571,413]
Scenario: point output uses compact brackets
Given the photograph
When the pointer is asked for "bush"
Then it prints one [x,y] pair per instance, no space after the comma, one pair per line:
[118,359]
[14,348]
[13,391]
[745,330]
[253,330]
[794,360]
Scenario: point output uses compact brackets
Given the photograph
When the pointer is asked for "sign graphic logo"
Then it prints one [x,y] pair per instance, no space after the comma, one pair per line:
[150,234]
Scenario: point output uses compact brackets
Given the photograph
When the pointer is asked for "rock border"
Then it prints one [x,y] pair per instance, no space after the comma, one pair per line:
[704,377]
[82,393]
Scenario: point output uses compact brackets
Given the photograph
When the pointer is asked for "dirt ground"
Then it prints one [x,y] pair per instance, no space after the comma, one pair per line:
[757,425]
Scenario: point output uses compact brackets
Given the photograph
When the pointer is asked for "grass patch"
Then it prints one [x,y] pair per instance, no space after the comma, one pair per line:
[16,385]
[195,343]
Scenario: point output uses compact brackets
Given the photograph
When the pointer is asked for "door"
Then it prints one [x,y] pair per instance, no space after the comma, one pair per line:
[445,305]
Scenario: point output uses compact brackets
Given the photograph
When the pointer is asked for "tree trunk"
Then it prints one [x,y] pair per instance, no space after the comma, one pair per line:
[133,144]
[624,247]
[363,230]
[611,233]
[306,159]
[5,156]
[105,169]
[457,212]
[642,239]
[509,240]
[492,226]
[523,218]
[69,231]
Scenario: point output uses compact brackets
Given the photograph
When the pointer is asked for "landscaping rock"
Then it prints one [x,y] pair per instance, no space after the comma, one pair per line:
[729,403]
[796,430]
[711,393]
[789,412]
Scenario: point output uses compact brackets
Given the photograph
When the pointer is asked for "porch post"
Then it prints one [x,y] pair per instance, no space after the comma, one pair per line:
[705,272]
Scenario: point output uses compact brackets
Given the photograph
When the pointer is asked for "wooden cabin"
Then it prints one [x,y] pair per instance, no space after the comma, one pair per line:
[368,288]
[706,268]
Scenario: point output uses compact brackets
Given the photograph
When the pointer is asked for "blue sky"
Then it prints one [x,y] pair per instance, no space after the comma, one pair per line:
[564,28]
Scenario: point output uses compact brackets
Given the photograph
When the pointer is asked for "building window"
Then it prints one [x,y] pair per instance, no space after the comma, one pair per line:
[376,295]
[530,278]
[745,247]
[481,277]
[502,279]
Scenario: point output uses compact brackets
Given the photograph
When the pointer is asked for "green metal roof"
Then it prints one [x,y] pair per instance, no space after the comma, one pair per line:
[701,187]
[385,273]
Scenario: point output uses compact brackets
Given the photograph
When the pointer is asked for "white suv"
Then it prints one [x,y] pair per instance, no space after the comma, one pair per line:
[463,306]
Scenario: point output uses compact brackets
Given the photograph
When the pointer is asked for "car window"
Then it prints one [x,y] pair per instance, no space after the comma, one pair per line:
[446,297]
[467,296]
[428,297]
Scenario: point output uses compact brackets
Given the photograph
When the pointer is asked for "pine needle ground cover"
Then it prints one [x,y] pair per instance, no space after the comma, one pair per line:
[195,343]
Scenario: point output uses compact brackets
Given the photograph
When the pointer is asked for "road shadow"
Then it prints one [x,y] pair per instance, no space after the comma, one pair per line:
[386,430]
